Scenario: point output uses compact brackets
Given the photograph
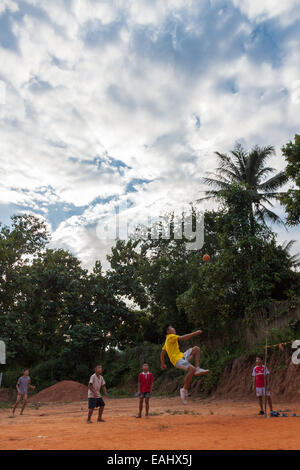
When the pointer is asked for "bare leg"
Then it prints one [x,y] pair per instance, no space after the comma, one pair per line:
[140,407]
[196,355]
[270,403]
[147,407]
[188,378]
[101,409]
[260,399]
[90,415]
[24,404]
[16,404]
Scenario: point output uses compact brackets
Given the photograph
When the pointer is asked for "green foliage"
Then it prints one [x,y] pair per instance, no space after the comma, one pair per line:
[280,335]
[248,170]
[291,199]
[50,306]
[26,238]
[5,405]
[216,361]
[247,273]
[119,392]
[123,367]
[10,377]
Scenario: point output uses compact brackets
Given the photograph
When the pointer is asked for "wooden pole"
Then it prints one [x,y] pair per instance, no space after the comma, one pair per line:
[265,375]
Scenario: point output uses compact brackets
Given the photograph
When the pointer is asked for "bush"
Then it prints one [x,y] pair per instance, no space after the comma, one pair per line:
[49,372]
[10,377]
[123,367]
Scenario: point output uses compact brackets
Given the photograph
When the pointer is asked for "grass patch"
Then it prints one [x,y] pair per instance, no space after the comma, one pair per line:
[184,412]
[5,405]
[162,427]
[35,406]
[119,393]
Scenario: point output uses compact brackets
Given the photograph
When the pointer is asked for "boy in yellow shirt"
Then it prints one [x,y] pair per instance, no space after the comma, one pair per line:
[180,359]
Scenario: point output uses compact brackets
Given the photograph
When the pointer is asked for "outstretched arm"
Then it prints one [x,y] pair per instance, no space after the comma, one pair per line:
[190,335]
[162,359]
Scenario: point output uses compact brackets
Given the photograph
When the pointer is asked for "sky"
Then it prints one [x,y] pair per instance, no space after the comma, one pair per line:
[122,103]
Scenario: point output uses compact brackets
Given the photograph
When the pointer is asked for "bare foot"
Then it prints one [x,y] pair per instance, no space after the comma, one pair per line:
[101,420]
[89,421]
[138,416]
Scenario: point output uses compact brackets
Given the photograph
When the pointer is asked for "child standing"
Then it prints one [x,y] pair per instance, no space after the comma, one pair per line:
[180,359]
[145,385]
[259,373]
[95,400]
[22,386]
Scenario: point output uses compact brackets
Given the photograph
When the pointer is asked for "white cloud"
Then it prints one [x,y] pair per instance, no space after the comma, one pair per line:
[8,5]
[287,12]
[158,85]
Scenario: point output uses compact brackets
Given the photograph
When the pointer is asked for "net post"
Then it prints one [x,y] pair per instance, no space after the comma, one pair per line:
[265,375]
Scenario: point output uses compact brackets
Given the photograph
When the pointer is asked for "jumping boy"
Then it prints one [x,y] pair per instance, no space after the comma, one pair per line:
[95,400]
[259,372]
[22,386]
[145,385]
[180,359]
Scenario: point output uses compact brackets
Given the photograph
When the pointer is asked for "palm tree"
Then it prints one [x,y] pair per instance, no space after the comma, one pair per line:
[294,259]
[248,169]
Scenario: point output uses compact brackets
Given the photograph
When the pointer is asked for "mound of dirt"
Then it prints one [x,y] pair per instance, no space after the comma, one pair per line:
[66,391]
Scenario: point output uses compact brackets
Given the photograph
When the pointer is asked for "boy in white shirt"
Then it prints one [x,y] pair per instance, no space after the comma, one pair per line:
[95,400]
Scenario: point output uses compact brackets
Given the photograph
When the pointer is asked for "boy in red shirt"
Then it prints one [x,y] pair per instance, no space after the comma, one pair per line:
[259,372]
[145,385]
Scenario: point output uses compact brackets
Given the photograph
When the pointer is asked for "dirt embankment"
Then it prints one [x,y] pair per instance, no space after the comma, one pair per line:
[236,381]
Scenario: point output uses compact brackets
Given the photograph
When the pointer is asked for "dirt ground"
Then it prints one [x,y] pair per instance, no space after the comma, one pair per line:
[202,424]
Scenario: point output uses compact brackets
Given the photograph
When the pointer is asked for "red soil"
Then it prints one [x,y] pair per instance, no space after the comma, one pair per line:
[202,424]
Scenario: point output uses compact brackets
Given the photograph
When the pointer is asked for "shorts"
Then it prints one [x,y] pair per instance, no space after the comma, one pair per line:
[184,363]
[95,403]
[145,395]
[260,391]
[23,395]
